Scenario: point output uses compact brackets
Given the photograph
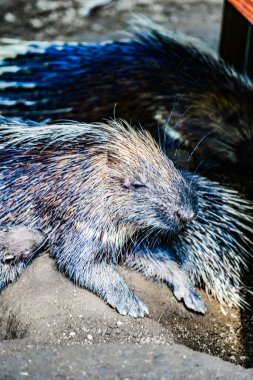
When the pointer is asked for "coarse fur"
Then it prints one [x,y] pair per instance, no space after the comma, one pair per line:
[95,191]
[59,177]
[151,77]
[218,243]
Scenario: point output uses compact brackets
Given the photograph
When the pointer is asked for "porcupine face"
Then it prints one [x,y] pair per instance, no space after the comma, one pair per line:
[162,207]
[148,190]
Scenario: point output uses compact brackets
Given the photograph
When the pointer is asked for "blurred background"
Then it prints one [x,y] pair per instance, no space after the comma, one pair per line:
[96,20]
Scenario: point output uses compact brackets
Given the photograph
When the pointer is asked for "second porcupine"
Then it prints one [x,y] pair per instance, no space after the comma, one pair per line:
[150,78]
[210,253]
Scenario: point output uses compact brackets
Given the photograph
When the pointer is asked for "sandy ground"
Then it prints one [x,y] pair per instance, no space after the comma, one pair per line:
[50,328]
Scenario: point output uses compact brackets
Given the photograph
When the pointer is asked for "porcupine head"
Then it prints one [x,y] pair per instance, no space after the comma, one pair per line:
[145,189]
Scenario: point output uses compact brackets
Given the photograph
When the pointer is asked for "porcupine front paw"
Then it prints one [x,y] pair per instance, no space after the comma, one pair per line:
[159,264]
[190,297]
[103,280]
[127,303]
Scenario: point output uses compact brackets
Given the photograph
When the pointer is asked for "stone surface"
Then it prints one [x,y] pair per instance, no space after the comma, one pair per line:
[112,361]
[44,305]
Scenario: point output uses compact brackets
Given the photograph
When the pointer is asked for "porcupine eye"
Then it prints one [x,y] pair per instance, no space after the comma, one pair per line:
[8,259]
[136,185]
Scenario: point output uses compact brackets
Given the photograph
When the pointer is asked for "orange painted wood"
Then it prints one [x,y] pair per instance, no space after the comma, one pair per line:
[245,7]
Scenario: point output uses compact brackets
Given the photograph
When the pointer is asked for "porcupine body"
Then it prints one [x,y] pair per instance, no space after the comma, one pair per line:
[150,78]
[97,192]
[93,188]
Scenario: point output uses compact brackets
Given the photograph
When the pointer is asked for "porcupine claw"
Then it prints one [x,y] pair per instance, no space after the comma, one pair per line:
[130,305]
[191,299]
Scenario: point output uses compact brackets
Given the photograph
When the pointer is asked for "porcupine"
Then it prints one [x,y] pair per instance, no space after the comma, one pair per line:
[150,77]
[92,190]
[145,193]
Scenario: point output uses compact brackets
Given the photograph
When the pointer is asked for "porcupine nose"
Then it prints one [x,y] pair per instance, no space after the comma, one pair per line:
[184,216]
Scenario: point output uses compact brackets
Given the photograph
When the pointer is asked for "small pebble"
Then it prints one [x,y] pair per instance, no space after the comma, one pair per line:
[36,23]
[10,17]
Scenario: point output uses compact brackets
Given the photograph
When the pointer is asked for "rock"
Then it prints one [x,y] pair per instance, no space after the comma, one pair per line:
[37,361]
[43,304]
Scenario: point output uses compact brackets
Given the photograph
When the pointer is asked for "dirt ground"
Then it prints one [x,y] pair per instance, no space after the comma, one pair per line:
[45,311]
[95,20]
[44,315]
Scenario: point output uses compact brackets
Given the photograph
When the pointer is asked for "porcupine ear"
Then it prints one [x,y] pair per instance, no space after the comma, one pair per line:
[112,160]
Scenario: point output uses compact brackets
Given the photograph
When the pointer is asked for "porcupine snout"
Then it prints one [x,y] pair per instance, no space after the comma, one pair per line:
[186,206]
[184,215]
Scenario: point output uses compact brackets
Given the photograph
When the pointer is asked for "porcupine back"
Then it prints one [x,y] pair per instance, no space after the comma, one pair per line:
[150,78]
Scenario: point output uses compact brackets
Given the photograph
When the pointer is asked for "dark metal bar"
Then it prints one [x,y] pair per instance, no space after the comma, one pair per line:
[236,41]
[234,37]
